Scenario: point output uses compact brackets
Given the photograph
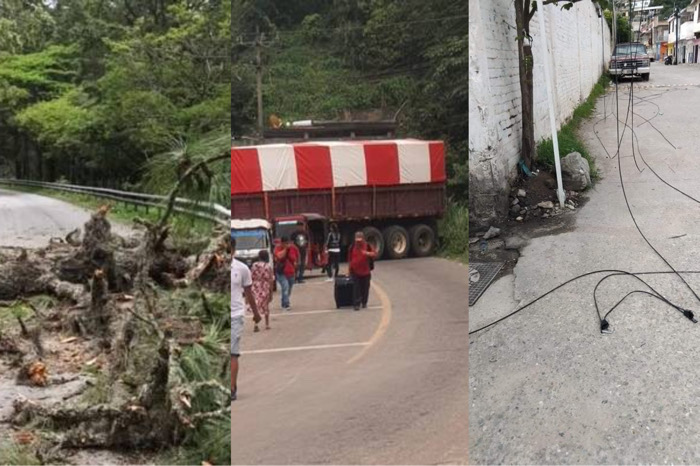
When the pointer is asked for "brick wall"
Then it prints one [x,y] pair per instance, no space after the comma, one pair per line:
[576,51]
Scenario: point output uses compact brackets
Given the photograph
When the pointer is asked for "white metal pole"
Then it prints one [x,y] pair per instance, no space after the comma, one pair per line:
[550,98]
[602,51]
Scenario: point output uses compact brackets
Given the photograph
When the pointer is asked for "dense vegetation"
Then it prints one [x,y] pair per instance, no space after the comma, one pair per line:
[322,58]
[103,93]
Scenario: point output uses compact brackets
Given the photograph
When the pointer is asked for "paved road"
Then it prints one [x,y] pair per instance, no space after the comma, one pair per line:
[545,385]
[30,220]
[394,392]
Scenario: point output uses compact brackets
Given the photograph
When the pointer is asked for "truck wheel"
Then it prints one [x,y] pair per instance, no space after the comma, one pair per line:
[397,242]
[375,239]
[645,77]
[422,240]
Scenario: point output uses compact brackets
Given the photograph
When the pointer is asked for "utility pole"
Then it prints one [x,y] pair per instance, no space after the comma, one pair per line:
[631,24]
[258,77]
[602,51]
[677,19]
[259,42]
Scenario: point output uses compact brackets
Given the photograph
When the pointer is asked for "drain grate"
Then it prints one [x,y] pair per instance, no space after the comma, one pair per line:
[481,274]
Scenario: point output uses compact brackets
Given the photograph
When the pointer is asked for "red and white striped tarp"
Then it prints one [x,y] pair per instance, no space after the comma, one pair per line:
[325,165]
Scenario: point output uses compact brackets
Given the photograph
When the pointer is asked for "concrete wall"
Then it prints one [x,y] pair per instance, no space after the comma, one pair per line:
[577,41]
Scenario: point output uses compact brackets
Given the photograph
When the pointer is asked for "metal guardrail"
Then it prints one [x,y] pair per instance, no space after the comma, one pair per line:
[208,211]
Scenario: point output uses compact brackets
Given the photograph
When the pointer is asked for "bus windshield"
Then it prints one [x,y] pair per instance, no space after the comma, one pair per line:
[250,239]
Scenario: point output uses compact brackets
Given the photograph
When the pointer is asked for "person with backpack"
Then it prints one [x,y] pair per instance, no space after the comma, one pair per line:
[361,258]
[286,258]
[333,247]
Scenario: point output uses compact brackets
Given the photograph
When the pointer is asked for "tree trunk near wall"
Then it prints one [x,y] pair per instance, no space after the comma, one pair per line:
[525,61]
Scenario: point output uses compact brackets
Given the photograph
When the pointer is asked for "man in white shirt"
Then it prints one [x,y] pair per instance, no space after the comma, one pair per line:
[241,285]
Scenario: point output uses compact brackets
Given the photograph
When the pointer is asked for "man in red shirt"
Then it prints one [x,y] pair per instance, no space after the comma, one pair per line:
[360,257]
[286,258]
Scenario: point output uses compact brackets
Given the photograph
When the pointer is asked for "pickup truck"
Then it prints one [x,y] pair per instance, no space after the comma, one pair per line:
[630,59]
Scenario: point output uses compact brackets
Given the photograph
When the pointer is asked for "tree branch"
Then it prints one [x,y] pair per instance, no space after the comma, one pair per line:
[173,194]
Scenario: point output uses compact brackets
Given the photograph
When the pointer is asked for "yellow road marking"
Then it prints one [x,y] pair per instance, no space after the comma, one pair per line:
[383,323]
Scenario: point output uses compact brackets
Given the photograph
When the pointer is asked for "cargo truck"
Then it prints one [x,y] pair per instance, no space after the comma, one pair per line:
[393,191]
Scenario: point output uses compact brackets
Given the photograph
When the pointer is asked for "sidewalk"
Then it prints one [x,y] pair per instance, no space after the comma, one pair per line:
[545,385]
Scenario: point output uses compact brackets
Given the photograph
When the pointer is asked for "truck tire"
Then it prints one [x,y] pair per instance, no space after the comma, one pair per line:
[396,242]
[375,239]
[645,77]
[422,240]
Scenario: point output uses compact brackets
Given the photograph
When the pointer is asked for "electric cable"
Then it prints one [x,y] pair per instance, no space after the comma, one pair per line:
[624,191]
[522,308]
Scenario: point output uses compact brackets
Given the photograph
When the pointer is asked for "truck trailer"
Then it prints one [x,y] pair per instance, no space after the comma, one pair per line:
[393,191]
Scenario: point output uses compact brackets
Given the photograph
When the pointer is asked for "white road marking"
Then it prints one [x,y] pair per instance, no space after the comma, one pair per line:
[304,313]
[304,348]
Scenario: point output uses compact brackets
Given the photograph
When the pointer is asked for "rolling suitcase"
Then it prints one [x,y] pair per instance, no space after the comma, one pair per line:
[343,291]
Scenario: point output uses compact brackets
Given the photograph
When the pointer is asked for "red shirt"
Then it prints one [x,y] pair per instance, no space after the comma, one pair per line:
[289,258]
[359,263]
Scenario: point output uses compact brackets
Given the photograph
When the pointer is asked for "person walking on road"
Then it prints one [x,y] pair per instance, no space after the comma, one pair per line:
[300,242]
[361,259]
[286,258]
[333,247]
[241,286]
[263,279]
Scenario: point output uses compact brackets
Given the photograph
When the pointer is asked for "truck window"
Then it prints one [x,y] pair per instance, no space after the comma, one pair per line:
[630,49]
[287,228]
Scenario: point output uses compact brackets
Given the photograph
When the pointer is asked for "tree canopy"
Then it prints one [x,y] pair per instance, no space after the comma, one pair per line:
[91,91]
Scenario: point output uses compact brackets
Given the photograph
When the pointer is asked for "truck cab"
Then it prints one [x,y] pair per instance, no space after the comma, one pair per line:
[252,236]
[307,231]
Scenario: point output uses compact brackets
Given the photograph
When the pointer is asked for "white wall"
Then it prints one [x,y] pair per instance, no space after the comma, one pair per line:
[578,41]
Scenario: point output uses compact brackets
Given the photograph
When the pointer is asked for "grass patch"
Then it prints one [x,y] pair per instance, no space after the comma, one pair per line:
[12,453]
[568,134]
[454,232]
[185,227]
[100,392]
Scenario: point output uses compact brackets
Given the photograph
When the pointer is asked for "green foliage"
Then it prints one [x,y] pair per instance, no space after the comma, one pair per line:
[568,137]
[313,30]
[25,25]
[112,85]
[38,75]
[202,361]
[14,454]
[454,232]
[64,122]
[624,29]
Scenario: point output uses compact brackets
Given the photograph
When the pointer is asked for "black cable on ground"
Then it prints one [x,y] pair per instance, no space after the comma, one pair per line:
[520,309]
[634,133]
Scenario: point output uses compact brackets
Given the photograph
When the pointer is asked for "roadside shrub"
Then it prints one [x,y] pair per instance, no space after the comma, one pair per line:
[454,232]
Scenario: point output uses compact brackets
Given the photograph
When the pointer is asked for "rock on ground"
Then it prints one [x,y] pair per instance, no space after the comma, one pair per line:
[492,233]
[576,173]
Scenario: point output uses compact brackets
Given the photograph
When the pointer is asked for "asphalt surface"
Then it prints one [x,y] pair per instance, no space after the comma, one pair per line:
[30,220]
[397,394]
[545,386]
